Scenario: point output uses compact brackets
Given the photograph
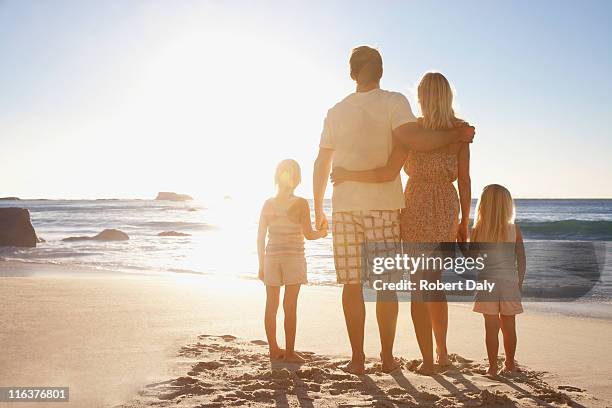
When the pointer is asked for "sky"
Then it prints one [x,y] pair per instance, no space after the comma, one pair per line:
[113,99]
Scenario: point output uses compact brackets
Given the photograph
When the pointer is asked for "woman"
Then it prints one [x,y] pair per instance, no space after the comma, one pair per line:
[432,206]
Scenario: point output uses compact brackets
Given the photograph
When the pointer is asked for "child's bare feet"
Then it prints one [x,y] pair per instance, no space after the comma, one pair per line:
[492,373]
[294,357]
[276,353]
[443,360]
[509,369]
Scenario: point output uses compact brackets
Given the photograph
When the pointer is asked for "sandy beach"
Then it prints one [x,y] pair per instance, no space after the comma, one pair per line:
[176,175]
[136,341]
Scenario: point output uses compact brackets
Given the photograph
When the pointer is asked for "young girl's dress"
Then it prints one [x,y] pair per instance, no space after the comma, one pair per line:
[284,262]
[500,269]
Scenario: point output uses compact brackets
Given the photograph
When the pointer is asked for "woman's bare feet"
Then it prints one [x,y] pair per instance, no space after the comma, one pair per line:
[353,368]
[425,369]
[294,357]
[276,353]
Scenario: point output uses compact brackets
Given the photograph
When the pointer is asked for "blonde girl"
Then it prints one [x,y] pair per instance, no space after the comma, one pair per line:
[285,220]
[505,266]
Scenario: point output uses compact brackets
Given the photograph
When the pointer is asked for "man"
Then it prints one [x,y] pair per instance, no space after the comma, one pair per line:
[358,134]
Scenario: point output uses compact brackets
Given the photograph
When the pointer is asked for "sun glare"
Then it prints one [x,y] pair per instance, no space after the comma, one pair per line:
[217,111]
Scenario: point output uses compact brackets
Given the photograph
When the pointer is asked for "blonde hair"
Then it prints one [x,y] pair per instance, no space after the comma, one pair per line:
[494,215]
[436,100]
[288,174]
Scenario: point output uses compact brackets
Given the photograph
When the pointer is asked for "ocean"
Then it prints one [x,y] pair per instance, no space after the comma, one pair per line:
[222,237]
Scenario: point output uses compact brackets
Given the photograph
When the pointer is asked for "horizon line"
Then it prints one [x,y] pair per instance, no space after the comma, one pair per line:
[229,197]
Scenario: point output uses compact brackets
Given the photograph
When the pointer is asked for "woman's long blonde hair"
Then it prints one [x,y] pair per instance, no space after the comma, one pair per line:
[436,100]
[494,215]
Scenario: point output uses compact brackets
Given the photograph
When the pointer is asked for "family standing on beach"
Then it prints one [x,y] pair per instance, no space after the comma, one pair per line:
[367,138]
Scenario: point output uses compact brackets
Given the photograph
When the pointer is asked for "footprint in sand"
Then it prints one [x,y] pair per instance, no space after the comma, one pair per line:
[492,398]
[228,337]
[396,391]
[552,396]
[570,388]
[203,366]
[184,381]
[191,389]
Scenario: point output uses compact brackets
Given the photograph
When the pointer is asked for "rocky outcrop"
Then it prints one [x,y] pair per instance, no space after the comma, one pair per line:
[10,199]
[16,228]
[106,235]
[173,234]
[169,196]
[112,235]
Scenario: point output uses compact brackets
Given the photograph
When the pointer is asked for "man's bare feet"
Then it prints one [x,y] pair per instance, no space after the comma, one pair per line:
[425,369]
[389,364]
[294,357]
[276,353]
[353,368]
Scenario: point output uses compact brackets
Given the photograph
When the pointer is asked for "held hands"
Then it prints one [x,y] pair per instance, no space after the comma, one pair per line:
[338,175]
[321,221]
[322,233]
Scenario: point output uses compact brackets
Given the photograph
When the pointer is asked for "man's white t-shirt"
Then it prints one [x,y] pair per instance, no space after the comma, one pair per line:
[360,131]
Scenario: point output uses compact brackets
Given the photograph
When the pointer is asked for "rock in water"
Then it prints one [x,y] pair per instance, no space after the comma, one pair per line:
[106,235]
[70,239]
[16,228]
[111,235]
[10,199]
[169,196]
[173,234]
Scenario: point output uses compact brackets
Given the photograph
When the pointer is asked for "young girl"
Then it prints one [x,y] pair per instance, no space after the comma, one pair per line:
[505,266]
[286,221]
